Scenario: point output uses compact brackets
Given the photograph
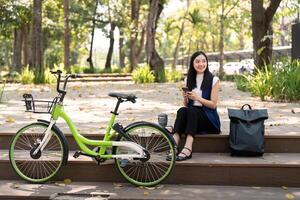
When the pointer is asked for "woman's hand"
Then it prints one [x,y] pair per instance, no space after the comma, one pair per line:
[193,96]
[184,94]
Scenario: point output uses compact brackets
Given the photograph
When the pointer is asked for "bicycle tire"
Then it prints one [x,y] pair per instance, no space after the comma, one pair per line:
[44,165]
[158,143]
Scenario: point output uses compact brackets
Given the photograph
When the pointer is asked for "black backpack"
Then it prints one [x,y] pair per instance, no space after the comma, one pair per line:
[247,130]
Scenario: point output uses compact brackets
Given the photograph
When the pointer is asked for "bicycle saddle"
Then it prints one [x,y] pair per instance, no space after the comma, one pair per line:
[127,97]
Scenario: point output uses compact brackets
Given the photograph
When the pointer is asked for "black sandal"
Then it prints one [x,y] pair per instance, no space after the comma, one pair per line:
[169,156]
[186,157]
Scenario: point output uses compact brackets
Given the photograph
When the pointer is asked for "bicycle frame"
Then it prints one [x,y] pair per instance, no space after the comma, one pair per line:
[83,141]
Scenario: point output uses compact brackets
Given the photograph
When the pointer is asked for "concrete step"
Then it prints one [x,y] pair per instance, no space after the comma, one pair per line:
[273,169]
[202,143]
[98,79]
[12,190]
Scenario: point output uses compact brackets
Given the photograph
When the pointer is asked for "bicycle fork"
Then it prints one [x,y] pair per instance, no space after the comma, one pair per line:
[46,139]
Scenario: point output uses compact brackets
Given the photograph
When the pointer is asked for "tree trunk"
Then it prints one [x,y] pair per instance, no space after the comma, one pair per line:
[36,42]
[111,47]
[175,55]
[90,58]
[121,49]
[26,45]
[67,37]
[221,44]
[134,33]
[189,48]
[262,30]
[17,51]
[141,46]
[153,59]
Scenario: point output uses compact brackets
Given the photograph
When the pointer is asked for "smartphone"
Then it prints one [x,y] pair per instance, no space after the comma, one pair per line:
[185,89]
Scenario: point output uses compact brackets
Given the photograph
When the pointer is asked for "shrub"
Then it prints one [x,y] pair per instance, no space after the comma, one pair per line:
[117,70]
[88,70]
[278,81]
[77,69]
[2,86]
[242,83]
[27,76]
[174,76]
[48,77]
[143,75]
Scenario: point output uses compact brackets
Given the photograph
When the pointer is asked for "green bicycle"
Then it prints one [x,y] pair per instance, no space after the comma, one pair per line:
[39,150]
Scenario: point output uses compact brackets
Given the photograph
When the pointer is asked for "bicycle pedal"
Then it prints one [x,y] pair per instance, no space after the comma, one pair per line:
[77,154]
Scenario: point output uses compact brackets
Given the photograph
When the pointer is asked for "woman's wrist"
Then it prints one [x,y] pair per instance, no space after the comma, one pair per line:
[200,99]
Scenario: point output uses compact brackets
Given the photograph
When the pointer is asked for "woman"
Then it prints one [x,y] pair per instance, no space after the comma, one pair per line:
[199,114]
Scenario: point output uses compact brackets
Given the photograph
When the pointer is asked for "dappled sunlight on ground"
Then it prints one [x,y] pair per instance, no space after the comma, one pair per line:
[89,105]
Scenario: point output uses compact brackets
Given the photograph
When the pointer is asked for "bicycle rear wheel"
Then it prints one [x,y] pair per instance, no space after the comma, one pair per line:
[158,143]
[45,164]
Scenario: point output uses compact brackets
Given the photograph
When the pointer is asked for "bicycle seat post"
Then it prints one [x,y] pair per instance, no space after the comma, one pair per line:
[115,112]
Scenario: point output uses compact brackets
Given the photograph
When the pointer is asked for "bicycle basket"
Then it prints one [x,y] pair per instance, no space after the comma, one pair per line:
[38,106]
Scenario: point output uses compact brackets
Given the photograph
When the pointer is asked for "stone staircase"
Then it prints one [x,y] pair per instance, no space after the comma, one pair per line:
[211,164]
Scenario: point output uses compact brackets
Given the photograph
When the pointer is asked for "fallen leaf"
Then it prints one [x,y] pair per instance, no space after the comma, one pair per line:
[67,181]
[165,192]
[283,187]
[146,193]
[290,196]
[10,120]
[16,185]
[257,188]
[150,188]
[159,186]
[76,88]
[60,184]
[117,185]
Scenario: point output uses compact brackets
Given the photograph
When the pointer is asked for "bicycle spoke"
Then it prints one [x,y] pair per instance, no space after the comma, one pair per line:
[45,163]
[154,170]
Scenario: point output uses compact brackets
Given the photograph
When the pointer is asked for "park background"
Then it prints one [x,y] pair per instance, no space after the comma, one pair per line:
[152,39]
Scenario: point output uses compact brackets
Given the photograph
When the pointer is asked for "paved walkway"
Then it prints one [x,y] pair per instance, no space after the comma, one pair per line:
[92,190]
[89,106]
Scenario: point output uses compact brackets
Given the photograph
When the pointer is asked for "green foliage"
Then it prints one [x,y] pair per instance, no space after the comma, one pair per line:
[174,76]
[229,77]
[2,86]
[77,69]
[277,81]
[160,76]
[117,70]
[39,78]
[88,70]
[27,76]
[48,77]
[242,83]
[143,75]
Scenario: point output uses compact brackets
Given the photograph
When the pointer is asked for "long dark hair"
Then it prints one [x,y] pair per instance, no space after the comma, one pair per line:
[192,73]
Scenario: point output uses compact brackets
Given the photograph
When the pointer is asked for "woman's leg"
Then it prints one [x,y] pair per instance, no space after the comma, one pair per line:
[187,151]
[180,123]
[176,137]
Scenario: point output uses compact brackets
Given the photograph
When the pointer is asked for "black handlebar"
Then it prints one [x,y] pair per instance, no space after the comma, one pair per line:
[63,90]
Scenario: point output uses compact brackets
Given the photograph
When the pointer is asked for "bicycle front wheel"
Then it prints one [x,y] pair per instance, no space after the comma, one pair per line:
[40,167]
[159,145]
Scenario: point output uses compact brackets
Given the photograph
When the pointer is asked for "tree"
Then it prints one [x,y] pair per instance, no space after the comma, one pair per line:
[135,9]
[195,18]
[17,50]
[181,29]
[224,15]
[66,36]
[36,42]
[262,30]
[153,59]
[90,58]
